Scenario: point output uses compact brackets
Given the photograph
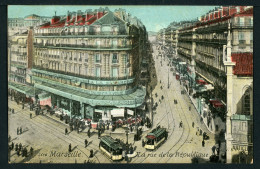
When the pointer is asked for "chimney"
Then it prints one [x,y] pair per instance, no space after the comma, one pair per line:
[68,17]
[225,11]
[232,10]
[220,13]
[55,19]
[216,15]
[78,15]
[88,14]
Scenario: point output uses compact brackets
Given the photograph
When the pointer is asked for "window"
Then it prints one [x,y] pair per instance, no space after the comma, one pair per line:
[114,43]
[86,70]
[86,57]
[98,43]
[251,37]
[241,21]
[98,60]
[114,59]
[114,72]
[97,71]
[241,38]
[246,102]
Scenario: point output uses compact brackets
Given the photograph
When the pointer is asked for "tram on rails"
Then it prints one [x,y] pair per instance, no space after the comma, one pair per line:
[157,137]
[111,148]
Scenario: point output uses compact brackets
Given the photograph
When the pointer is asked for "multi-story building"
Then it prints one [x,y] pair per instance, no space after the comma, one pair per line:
[90,63]
[21,25]
[216,56]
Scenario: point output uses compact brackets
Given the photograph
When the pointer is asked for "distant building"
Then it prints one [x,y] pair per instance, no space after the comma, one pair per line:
[215,62]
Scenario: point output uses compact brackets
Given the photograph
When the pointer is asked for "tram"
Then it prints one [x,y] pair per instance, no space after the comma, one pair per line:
[154,139]
[111,148]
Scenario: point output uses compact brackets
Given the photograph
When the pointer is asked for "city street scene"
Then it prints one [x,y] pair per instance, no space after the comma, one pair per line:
[130,84]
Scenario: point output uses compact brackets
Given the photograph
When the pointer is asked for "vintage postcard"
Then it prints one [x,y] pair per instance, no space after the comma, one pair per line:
[130,84]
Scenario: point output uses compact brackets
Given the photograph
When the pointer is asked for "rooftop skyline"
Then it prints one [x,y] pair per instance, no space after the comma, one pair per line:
[153,17]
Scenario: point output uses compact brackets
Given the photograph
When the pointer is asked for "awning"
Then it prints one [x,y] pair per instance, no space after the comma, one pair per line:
[99,111]
[130,112]
[216,103]
[209,87]
[118,112]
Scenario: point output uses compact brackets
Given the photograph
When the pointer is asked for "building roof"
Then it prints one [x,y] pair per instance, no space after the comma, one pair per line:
[109,18]
[31,17]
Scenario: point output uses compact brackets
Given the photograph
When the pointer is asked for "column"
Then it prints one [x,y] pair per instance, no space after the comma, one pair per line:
[70,102]
[58,101]
[82,110]
[229,67]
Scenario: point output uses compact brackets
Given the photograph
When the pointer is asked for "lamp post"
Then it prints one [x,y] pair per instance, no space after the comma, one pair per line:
[127,132]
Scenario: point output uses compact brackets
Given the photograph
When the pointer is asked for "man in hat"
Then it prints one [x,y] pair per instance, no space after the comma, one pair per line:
[31,151]
[86,143]
[66,131]
[91,154]
[21,130]
[70,147]
[88,133]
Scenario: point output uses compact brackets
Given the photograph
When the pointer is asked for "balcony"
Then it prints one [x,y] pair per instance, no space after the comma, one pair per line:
[214,41]
[37,67]
[114,61]
[83,46]
[104,33]
[242,25]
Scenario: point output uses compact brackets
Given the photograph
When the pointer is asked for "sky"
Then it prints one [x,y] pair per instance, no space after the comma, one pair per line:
[153,17]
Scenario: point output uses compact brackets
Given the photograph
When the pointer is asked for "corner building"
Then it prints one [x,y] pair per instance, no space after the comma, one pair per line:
[89,63]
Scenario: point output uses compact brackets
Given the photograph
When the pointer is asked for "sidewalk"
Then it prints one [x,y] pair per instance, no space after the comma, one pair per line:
[214,121]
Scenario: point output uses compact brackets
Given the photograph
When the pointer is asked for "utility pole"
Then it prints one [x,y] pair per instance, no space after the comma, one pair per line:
[168,80]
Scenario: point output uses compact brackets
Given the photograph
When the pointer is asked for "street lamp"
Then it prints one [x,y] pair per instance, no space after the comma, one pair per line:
[127,132]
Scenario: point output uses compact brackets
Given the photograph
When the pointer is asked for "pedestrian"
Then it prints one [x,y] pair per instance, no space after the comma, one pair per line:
[143,143]
[203,143]
[31,151]
[30,115]
[189,108]
[13,111]
[213,150]
[12,146]
[23,106]
[9,138]
[200,132]
[18,153]
[25,151]
[66,131]
[107,126]
[180,126]
[193,124]
[16,147]
[20,146]
[88,133]
[99,134]
[86,143]
[217,149]
[70,147]
[21,130]
[126,158]
[91,154]
[131,149]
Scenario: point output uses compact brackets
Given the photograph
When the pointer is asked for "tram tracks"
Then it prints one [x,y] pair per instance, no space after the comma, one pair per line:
[56,132]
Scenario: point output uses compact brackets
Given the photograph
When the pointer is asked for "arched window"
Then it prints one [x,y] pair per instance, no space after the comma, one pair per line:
[246,102]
